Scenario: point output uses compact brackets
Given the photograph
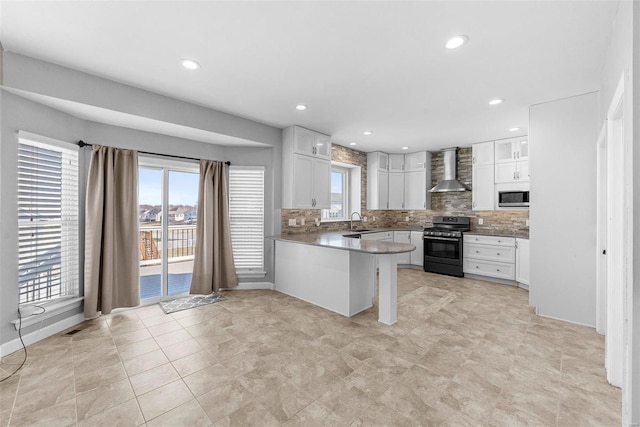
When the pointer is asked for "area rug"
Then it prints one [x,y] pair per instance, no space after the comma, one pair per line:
[191,301]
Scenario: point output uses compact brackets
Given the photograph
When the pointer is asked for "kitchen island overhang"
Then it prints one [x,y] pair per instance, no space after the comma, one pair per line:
[339,273]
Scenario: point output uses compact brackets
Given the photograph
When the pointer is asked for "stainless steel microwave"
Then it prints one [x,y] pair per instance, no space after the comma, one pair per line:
[513,199]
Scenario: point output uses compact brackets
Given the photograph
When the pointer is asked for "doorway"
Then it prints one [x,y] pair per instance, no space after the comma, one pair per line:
[167,197]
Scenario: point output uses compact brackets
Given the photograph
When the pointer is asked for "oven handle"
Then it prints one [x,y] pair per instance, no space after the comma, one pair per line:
[448,239]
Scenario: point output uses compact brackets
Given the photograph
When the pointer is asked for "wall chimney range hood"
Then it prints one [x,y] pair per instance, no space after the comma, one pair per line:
[449,181]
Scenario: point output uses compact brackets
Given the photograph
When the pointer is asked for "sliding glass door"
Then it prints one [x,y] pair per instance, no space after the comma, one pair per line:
[167,197]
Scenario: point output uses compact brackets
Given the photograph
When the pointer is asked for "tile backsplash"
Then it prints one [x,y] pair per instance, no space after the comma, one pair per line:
[455,203]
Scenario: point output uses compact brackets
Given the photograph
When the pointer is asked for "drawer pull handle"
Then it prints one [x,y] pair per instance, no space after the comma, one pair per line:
[497,269]
[477,252]
[498,254]
[477,266]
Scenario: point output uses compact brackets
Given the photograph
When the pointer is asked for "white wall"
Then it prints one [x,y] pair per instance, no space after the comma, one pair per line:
[20,114]
[563,136]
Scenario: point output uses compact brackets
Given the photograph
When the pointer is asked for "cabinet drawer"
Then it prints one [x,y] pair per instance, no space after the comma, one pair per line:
[383,235]
[489,268]
[490,240]
[490,252]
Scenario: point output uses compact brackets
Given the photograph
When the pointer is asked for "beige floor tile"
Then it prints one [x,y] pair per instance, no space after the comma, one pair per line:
[164,399]
[225,399]
[252,414]
[173,338]
[182,349]
[131,337]
[102,398]
[207,379]
[144,362]
[126,414]
[193,363]
[188,414]
[101,376]
[60,414]
[129,351]
[164,328]
[46,395]
[316,414]
[153,378]
[381,415]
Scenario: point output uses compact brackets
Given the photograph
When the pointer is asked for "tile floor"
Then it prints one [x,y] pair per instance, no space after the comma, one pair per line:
[463,352]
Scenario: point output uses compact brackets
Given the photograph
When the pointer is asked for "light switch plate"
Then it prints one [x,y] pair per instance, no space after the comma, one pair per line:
[480,221]
[301,221]
[527,223]
[292,221]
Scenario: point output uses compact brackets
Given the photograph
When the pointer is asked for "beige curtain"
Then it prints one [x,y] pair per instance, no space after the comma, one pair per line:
[111,274]
[213,266]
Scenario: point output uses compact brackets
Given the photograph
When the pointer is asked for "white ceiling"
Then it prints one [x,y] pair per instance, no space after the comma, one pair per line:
[358,65]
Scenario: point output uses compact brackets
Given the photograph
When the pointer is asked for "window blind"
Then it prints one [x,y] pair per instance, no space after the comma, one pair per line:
[246,215]
[48,243]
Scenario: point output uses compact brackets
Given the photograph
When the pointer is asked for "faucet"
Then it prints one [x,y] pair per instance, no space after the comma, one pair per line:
[351,218]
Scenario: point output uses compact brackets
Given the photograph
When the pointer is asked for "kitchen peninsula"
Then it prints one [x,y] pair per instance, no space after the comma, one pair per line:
[339,273]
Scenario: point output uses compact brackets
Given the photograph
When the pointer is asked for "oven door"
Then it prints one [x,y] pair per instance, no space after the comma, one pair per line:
[444,250]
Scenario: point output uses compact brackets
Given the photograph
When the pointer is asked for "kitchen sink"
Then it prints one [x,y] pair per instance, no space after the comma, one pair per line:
[353,235]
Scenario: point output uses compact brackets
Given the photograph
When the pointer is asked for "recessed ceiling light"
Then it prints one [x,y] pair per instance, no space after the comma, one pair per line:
[456,42]
[495,101]
[405,148]
[353,143]
[367,132]
[301,107]
[514,129]
[190,64]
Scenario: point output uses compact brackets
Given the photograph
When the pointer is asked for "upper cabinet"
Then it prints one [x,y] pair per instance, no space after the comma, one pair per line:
[512,160]
[396,162]
[482,194]
[311,143]
[402,185]
[306,169]
[512,149]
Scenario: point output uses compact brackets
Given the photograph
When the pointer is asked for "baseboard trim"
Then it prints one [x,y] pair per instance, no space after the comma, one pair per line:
[252,286]
[565,320]
[35,336]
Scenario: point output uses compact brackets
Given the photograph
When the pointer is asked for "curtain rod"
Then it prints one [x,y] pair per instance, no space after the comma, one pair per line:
[81,144]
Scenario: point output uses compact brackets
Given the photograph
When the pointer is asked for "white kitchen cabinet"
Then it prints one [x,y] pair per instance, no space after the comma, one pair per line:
[382,235]
[402,189]
[522,262]
[417,256]
[490,256]
[512,172]
[396,190]
[482,194]
[311,143]
[403,237]
[512,160]
[512,149]
[396,163]
[416,161]
[312,178]
[306,169]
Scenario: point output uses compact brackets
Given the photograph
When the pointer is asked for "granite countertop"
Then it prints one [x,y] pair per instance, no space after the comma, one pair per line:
[521,234]
[336,240]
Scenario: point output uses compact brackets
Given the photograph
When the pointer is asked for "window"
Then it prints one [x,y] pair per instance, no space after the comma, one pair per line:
[246,217]
[48,219]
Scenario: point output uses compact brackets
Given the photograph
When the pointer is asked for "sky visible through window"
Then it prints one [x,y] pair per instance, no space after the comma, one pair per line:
[183,187]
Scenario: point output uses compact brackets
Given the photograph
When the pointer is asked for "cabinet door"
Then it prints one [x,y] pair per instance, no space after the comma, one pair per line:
[415,190]
[304,141]
[383,191]
[302,181]
[483,153]
[482,193]
[396,162]
[522,148]
[321,184]
[403,237]
[417,256]
[523,174]
[505,172]
[504,151]
[383,161]
[323,146]
[396,190]
[522,261]
[415,161]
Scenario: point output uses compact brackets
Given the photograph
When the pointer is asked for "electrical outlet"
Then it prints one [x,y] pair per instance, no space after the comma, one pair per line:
[317,220]
[292,222]
[480,221]
[364,219]
[302,221]
[406,219]
[527,223]
[374,218]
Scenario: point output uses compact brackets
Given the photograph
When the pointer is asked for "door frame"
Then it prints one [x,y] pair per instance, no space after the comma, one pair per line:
[601,238]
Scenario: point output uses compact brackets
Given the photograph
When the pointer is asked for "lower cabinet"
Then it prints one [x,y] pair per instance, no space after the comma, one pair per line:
[417,256]
[522,261]
[403,237]
[490,256]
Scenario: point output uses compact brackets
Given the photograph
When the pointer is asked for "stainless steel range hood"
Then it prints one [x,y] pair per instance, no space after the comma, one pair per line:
[449,181]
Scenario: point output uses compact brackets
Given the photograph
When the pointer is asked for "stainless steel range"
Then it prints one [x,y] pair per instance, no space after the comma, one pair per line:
[443,245]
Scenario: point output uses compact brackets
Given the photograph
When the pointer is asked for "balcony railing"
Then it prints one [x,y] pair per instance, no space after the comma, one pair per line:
[181,242]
